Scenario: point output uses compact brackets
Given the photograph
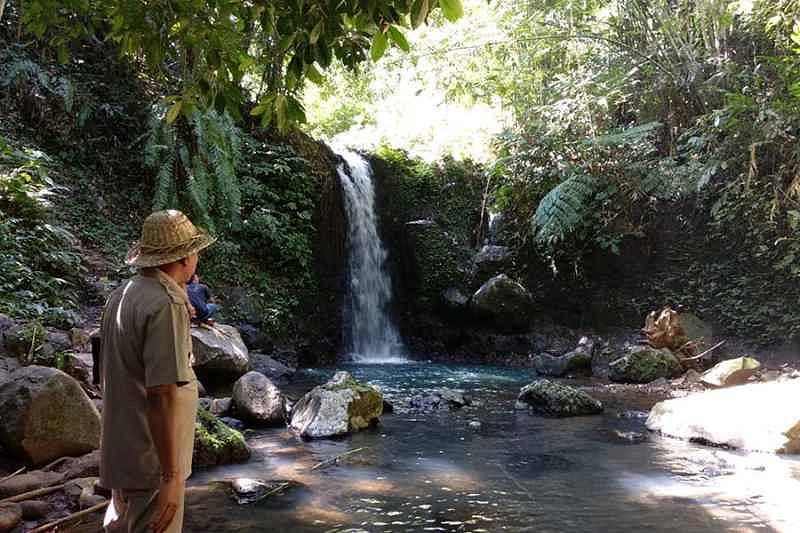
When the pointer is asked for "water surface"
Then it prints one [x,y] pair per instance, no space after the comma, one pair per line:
[517,472]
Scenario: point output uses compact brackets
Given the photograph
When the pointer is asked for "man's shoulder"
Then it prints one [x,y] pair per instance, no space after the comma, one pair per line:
[144,292]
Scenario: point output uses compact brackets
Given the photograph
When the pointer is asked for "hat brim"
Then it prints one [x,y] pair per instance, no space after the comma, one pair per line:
[144,259]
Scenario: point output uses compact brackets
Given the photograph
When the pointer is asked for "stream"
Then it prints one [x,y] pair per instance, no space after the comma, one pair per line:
[432,471]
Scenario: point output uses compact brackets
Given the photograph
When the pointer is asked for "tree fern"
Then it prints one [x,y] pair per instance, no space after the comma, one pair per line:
[565,208]
[197,174]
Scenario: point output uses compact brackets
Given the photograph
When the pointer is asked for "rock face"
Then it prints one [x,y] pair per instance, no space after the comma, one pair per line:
[270,367]
[339,406]
[643,364]
[219,351]
[46,415]
[256,399]
[578,360]
[7,366]
[491,260]
[433,260]
[215,443]
[761,417]
[504,301]
[440,399]
[553,399]
[731,372]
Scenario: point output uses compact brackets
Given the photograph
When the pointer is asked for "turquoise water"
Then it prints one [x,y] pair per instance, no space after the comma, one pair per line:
[517,472]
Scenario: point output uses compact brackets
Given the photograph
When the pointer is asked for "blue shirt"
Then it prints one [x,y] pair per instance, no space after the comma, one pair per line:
[199,295]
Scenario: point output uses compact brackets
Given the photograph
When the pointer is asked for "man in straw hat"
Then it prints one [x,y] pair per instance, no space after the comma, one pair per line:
[150,390]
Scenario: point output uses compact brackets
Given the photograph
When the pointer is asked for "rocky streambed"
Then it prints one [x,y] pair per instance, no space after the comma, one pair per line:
[425,446]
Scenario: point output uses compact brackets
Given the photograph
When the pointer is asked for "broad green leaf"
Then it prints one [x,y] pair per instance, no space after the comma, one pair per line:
[174,111]
[399,39]
[314,75]
[379,44]
[452,9]
[315,33]
[419,12]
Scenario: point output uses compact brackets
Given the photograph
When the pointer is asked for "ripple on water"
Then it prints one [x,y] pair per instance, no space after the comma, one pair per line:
[520,472]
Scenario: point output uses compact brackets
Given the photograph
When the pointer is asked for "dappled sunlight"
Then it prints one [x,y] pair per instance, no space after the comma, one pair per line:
[759,488]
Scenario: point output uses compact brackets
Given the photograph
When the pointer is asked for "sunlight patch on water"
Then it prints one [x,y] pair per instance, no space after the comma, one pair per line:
[755,488]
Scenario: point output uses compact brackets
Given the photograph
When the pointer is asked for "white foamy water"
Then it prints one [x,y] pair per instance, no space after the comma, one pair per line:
[371,335]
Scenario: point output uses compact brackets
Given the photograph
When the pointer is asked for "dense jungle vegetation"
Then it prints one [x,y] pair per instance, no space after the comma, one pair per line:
[605,127]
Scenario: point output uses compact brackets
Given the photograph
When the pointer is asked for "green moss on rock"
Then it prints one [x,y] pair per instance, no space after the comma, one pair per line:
[215,443]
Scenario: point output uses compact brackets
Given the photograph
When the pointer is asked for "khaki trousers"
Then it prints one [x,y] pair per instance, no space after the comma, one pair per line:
[130,511]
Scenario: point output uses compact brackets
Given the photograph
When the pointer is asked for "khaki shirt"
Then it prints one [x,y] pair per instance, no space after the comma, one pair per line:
[145,343]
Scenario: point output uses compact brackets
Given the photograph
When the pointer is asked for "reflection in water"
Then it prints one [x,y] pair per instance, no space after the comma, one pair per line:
[518,472]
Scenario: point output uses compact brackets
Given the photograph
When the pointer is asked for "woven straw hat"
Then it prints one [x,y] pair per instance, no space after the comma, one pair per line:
[166,237]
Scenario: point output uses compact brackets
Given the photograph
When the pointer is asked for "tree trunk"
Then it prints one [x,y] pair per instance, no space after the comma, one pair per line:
[2,8]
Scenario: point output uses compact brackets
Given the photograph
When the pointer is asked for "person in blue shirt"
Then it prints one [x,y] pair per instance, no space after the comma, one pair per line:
[200,298]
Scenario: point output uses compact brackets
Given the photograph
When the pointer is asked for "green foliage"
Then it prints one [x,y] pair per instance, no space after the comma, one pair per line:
[39,270]
[565,208]
[211,47]
[269,253]
[197,174]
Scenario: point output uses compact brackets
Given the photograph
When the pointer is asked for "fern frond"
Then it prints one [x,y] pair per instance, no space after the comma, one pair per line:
[622,137]
[564,208]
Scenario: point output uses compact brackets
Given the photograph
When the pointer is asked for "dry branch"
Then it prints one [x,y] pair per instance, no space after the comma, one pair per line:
[21,470]
[32,494]
[70,518]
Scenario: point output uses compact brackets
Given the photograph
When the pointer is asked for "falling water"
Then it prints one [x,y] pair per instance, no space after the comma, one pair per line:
[372,336]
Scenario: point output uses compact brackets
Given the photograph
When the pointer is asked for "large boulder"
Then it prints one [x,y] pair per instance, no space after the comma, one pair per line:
[492,260]
[731,372]
[256,399]
[7,366]
[219,351]
[215,443]
[46,415]
[338,407]
[643,364]
[761,417]
[578,360]
[504,301]
[554,399]
[270,367]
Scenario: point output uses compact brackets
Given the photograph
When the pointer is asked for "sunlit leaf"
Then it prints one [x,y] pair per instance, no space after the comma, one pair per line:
[452,9]
[379,45]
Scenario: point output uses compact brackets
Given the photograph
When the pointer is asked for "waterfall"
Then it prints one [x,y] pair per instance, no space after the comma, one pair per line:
[371,335]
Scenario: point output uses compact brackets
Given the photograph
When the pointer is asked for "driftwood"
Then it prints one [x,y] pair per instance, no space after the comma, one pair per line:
[700,356]
[21,470]
[336,459]
[70,518]
[32,494]
[55,463]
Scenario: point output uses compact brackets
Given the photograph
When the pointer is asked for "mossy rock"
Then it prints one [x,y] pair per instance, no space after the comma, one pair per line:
[46,415]
[436,260]
[215,443]
[21,340]
[643,364]
[340,406]
[554,399]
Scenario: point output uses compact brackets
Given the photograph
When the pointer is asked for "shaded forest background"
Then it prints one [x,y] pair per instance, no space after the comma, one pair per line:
[643,153]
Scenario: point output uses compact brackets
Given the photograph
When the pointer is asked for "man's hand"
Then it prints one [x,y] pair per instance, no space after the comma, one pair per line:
[161,419]
[169,500]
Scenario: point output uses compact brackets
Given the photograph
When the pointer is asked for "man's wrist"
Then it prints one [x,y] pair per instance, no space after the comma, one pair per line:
[168,475]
